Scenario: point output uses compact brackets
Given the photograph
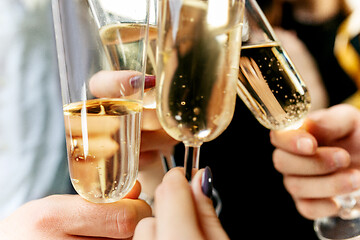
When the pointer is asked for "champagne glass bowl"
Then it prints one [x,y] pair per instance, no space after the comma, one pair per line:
[198,59]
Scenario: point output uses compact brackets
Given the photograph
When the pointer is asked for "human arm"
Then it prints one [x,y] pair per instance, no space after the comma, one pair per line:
[321,160]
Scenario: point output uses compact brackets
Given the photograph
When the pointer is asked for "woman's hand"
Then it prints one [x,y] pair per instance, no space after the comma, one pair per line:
[69,217]
[321,160]
[183,211]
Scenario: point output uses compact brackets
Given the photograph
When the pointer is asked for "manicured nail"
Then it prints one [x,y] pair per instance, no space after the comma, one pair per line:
[305,145]
[150,81]
[206,182]
[135,81]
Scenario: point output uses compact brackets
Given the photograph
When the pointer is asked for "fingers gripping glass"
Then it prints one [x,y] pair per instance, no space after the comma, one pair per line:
[347,224]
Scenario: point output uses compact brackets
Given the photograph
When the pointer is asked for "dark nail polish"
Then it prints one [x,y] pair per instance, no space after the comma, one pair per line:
[150,81]
[135,81]
[206,182]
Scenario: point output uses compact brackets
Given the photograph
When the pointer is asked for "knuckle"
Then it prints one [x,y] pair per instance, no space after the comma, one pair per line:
[45,216]
[124,222]
[327,165]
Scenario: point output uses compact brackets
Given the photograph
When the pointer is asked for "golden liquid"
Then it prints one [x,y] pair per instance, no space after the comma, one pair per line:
[103,137]
[271,88]
[123,46]
[197,91]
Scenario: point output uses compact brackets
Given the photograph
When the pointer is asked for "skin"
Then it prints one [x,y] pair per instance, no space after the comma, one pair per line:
[321,160]
[182,211]
[71,217]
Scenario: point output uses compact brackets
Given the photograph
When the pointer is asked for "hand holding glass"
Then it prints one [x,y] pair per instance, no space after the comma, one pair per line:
[347,224]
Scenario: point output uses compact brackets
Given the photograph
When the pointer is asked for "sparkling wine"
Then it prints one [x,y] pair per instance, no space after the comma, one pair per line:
[122,45]
[271,88]
[199,66]
[102,138]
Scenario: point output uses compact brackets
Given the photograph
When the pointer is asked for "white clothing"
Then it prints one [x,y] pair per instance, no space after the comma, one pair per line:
[32,138]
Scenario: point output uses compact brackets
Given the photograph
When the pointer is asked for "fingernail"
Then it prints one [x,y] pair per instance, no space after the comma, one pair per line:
[135,81]
[150,81]
[340,159]
[206,182]
[305,145]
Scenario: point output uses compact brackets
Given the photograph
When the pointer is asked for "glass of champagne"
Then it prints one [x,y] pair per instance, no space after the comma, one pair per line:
[198,58]
[95,41]
[268,82]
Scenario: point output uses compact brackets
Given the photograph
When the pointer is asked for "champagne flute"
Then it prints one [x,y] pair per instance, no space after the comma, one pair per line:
[268,83]
[199,46]
[102,131]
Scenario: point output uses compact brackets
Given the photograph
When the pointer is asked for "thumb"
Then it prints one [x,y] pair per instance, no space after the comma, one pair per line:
[210,224]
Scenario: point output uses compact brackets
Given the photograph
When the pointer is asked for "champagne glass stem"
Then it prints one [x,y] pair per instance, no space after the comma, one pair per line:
[196,157]
[187,164]
[194,162]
